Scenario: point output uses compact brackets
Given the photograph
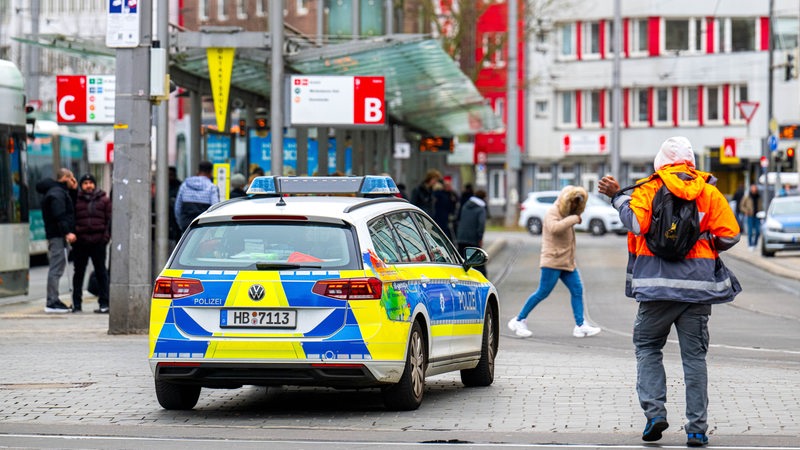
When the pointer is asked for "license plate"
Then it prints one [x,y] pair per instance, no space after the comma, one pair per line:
[258,318]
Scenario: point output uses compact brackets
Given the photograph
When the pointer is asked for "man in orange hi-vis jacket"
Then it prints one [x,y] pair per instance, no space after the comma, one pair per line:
[675,293]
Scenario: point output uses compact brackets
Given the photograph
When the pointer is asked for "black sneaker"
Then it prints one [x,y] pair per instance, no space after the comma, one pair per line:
[102,310]
[652,431]
[696,440]
[76,309]
[57,308]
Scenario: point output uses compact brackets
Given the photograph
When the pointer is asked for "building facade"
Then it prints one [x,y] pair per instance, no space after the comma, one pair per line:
[697,69]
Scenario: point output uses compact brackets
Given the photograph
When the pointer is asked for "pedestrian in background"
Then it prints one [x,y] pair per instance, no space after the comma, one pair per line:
[238,182]
[422,195]
[675,293]
[472,225]
[174,187]
[751,205]
[737,200]
[557,261]
[196,195]
[58,214]
[445,203]
[93,232]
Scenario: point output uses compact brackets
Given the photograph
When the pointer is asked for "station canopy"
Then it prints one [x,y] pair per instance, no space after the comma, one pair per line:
[425,89]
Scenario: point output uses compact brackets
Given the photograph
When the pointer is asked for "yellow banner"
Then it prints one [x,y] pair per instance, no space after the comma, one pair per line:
[220,68]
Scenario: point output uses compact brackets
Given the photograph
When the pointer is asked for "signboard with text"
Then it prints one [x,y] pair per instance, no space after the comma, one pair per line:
[337,101]
[85,99]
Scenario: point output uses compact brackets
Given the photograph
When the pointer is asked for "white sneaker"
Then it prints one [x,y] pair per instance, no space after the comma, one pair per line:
[519,327]
[585,330]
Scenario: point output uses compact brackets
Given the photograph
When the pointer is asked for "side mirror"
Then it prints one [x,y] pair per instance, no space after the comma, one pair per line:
[761,215]
[475,257]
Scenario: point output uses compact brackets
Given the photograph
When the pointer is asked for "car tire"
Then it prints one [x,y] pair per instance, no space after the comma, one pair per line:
[176,396]
[534,226]
[765,252]
[597,227]
[483,373]
[406,394]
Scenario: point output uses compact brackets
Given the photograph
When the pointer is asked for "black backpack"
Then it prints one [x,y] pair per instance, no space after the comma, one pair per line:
[675,224]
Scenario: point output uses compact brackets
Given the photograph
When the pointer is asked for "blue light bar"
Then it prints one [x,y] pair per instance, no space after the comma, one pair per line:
[375,185]
[262,185]
[367,185]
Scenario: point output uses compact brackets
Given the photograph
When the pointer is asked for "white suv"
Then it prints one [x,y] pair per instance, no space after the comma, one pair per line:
[599,217]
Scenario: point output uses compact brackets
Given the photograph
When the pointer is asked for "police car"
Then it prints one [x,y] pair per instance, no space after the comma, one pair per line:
[319,281]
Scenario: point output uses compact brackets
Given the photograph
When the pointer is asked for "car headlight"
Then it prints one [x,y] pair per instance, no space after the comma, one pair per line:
[773,225]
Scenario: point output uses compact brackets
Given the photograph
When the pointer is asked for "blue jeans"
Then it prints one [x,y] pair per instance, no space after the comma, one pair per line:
[547,281]
[653,322]
[753,230]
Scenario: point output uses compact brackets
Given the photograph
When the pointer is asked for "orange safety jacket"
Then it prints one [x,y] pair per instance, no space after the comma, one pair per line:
[697,278]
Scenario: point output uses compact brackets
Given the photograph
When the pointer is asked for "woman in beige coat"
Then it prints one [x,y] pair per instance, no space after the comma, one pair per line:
[557,261]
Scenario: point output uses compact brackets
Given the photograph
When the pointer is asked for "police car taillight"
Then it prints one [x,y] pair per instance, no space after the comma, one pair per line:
[172,288]
[350,288]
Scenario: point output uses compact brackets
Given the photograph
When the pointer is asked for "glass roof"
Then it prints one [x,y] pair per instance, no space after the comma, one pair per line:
[425,89]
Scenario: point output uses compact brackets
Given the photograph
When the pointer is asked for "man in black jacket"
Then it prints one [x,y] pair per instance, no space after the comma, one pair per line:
[58,213]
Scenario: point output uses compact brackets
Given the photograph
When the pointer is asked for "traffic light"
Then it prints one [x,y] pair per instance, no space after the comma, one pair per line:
[242,127]
[789,159]
[790,70]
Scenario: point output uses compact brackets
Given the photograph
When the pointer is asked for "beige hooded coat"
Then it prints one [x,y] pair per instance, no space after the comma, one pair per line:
[558,233]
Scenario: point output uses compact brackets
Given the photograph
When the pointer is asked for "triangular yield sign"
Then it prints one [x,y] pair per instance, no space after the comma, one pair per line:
[747,109]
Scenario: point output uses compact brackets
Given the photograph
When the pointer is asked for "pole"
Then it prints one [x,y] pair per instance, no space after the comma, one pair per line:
[162,139]
[765,151]
[616,100]
[131,281]
[276,93]
[512,150]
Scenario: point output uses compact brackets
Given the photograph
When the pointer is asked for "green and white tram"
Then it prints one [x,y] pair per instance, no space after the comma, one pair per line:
[14,227]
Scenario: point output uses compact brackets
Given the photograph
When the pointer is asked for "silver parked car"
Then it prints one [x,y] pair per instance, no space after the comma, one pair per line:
[780,229]
[599,217]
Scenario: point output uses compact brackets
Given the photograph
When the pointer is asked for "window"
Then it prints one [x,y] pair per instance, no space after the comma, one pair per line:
[739,95]
[567,33]
[785,33]
[592,108]
[641,106]
[543,178]
[689,104]
[261,8]
[222,8]
[302,7]
[241,9]
[676,35]
[639,35]
[663,105]
[500,107]
[568,108]
[204,9]
[541,108]
[386,242]
[698,31]
[442,250]
[743,35]
[493,50]
[591,39]
[410,238]
[713,104]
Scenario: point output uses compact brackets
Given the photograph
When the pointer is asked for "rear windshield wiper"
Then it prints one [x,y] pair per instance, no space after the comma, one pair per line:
[278,266]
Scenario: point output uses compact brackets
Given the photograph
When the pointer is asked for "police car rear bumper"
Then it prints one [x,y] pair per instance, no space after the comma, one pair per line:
[236,374]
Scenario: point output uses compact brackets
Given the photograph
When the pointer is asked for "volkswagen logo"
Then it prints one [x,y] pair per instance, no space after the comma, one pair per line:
[256,292]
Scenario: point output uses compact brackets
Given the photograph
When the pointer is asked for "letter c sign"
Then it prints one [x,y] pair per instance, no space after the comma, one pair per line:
[71,98]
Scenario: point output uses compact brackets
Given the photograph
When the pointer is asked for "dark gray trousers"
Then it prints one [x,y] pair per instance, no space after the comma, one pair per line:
[653,323]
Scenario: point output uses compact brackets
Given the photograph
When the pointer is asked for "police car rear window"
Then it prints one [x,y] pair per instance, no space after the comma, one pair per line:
[263,245]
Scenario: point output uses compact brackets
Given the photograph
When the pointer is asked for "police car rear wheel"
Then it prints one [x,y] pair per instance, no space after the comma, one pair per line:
[406,394]
[176,396]
[535,226]
[597,227]
[483,373]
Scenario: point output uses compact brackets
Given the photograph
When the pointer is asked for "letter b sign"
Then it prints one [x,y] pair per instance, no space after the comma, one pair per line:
[368,100]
